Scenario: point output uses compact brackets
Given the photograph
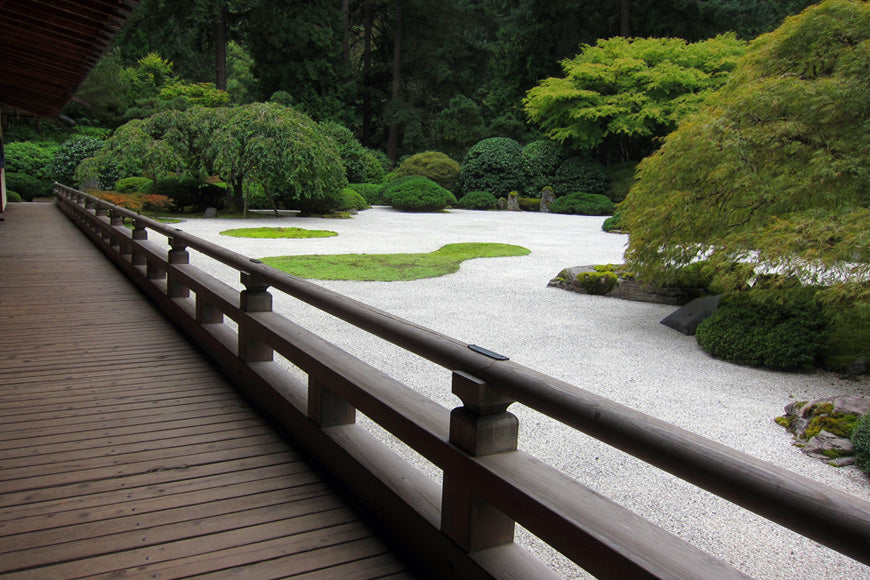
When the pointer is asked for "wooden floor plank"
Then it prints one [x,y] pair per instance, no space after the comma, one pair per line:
[123,453]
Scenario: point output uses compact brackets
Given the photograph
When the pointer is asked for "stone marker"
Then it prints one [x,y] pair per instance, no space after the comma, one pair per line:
[547,198]
[513,202]
[502,203]
[210,212]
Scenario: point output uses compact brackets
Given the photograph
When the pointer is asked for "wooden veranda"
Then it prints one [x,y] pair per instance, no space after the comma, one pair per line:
[125,453]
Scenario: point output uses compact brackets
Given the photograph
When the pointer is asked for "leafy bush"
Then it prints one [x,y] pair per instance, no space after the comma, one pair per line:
[612,224]
[530,203]
[861,442]
[778,329]
[579,174]
[541,160]
[134,185]
[361,164]
[12,196]
[583,204]
[436,166]
[371,192]
[73,152]
[478,200]
[183,191]
[620,178]
[419,194]
[31,158]
[352,200]
[494,165]
[26,185]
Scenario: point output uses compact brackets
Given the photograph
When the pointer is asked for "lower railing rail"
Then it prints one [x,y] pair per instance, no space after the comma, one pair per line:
[465,527]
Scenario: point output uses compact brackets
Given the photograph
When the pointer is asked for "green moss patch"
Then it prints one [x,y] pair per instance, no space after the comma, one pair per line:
[390,267]
[278,233]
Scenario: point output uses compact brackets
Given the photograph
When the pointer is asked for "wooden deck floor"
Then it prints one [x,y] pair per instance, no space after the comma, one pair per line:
[123,453]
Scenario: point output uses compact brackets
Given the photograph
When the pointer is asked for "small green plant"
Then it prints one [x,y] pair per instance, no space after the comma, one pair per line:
[390,267]
[583,204]
[778,329]
[295,233]
[478,200]
[861,443]
[419,194]
[599,283]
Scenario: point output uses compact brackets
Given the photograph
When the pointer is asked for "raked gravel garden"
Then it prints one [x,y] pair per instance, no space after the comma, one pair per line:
[610,347]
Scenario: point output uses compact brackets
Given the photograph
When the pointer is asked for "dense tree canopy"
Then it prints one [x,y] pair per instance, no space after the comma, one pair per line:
[775,169]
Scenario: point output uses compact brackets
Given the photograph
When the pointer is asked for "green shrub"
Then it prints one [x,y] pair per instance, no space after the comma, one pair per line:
[612,224]
[583,204]
[371,192]
[329,203]
[12,196]
[436,166]
[73,152]
[579,174]
[861,442]
[27,186]
[32,158]
[494,165]
[134,185]
[620,178]
[478,200]
[530,203]
[361,164]
[541,160]
[420,194]
[352,200]
[783,329]
[599,282]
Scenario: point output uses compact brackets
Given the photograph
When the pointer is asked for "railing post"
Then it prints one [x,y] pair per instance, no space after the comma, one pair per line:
[327,409]
[139,233]
[481,427]
[117,220]
[177,255]
[253,298]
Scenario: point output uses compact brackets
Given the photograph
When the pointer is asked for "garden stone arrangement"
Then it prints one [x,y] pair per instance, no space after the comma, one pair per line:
[614,348]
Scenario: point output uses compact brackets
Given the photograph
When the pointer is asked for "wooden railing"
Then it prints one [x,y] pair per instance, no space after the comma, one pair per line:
[465,527]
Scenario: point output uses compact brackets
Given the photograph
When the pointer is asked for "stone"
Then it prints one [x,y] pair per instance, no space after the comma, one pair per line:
[90,183]
[830,447]
[502,203]
[858,367]
[547,198]
[830,443]
[627,289]
[210,212]
[687,318]
[513,201]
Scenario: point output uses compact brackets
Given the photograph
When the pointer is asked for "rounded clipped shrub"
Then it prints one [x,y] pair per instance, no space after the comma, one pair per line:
[583,204]
[494,165]
[73,152]
[782,329]
[436,166]
[419,194]
[612,224]
[478,200]
[541,160]
[351,200]
[331,202]
[27,186]
[861,442]
[12,196]
[579,174]
[371,192]
[134,185]
[31,158]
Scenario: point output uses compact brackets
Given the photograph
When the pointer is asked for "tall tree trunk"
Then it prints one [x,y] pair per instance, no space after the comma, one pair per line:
[393,142]
[220,48]
[367,79]
[625,18]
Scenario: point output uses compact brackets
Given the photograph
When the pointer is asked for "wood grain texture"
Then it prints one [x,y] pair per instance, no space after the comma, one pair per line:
[124,453]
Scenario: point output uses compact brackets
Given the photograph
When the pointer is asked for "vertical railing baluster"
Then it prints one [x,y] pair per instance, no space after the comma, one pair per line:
[139,233]
[177,255]
[326,408]
[254,298]
[482,426]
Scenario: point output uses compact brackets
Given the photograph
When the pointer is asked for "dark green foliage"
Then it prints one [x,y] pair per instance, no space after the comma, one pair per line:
[583,204]
[135,185]
[778,329]
[189,192]
[494,165]
[613,223]
[361,164]
[28,187]
[371,192]
[32,158]
[325,204]
[419,194]
[530,203]
[620,178]
[599,282]
[351,200]
[478,200]
[861,441]
[579,174]
[541,160]
[436,166]
[73,152]
[12,196]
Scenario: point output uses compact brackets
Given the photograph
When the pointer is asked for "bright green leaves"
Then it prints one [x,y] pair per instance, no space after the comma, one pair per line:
[623,89]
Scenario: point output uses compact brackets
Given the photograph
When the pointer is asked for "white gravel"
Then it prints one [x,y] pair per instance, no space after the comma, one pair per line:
[610,347]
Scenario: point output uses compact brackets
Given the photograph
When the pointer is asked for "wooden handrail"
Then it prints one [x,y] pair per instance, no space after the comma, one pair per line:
[824,514]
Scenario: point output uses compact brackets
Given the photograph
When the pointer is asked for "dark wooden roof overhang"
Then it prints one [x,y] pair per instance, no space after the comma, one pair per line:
[48,48]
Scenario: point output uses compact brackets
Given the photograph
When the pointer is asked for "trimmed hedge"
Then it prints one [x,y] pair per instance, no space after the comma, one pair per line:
[494,165]
[134,185]
[782,329]
[478,200]
[436,166]
[371,192]
[580,174]
[541,160]
[861,442]
[612,224]
[583,204]
[12,196]
[27,186]
[351,200]
[419,194]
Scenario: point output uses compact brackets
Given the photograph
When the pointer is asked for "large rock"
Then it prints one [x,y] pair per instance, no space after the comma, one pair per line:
[687,318]
[821,427]
[627,289]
